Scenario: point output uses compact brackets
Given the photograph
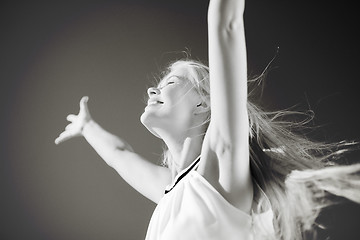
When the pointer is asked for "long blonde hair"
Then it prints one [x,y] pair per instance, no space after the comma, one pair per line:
[282,158]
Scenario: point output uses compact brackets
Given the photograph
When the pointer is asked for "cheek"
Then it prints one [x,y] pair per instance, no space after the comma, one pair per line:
[181,100]
[185,109]
[184,102]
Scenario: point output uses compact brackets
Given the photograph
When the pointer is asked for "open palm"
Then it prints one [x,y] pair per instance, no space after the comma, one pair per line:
[77,122]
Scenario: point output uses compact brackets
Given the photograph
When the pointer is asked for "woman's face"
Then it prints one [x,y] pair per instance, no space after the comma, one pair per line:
[171,105]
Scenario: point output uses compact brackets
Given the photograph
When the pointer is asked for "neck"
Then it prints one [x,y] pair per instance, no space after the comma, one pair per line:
[183,150]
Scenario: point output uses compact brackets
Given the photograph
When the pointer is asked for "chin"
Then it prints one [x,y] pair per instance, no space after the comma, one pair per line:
[148,121]
[147,118]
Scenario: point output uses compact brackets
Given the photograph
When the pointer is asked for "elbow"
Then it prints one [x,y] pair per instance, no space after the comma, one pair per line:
[233,26]
[226,16]
[226,25]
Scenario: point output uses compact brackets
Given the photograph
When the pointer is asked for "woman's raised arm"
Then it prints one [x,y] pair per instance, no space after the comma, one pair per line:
[229,128]
[228,71]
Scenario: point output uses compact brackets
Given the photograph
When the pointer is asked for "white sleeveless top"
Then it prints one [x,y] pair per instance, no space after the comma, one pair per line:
[193,209]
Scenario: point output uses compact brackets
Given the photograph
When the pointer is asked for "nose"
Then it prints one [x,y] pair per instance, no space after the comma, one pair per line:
[153,91]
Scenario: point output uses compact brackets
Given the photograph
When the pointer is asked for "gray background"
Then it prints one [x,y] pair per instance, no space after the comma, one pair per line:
[54,53]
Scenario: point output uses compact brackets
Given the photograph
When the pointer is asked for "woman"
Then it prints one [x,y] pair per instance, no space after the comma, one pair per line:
[225,178]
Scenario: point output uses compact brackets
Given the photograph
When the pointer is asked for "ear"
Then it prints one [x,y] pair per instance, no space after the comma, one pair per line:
[201,107]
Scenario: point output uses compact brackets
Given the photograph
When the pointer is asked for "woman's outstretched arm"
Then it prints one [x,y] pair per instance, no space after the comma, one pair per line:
[147,178]
[229,128]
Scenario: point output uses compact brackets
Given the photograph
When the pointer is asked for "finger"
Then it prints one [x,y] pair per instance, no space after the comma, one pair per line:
[63,137]
[68,127]
[71,117]
[83,103]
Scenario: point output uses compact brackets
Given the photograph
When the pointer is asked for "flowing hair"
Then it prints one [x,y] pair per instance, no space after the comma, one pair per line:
[296,174]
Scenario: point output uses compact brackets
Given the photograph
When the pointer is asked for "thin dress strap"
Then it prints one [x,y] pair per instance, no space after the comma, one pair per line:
[182,175]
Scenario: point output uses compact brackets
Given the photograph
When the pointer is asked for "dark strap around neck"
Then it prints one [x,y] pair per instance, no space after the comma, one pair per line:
[183,174]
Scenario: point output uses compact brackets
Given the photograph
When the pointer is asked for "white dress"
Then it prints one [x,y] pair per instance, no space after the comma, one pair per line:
[193,209]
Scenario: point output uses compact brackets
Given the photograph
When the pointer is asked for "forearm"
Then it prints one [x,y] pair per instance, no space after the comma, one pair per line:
[104,143]
[227,47]
[146,177]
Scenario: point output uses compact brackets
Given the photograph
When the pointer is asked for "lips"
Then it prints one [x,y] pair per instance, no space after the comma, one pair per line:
[154,102]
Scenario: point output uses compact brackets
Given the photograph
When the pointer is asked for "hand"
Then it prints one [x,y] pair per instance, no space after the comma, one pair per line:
[77,124]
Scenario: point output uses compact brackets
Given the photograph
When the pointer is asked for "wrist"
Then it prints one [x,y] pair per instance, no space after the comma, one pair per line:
[86,125]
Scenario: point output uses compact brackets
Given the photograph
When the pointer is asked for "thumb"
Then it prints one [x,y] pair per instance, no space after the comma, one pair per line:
[83,104]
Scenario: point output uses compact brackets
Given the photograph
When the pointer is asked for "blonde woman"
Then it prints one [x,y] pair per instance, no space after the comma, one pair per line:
[229,164]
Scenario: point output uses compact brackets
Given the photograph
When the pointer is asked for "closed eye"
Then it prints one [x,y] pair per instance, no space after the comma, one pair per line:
[170,80]
[166,84]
